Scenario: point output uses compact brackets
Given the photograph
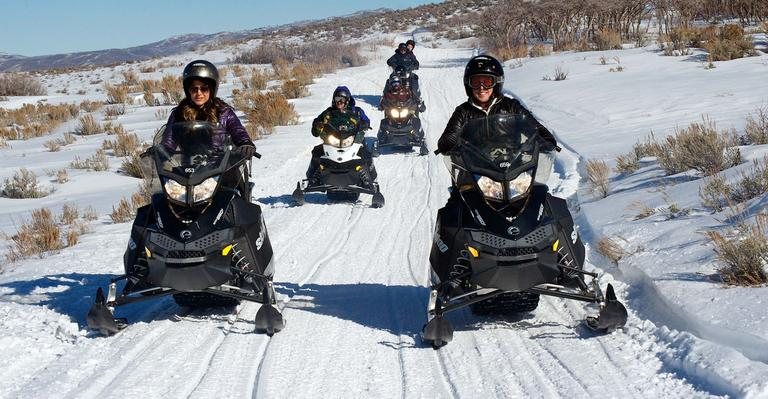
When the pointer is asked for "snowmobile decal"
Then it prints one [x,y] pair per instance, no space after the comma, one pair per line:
[574,236]
[218,216]
[159,221]
[541,211]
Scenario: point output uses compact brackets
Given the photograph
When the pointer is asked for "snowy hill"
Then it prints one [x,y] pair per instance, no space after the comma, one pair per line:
[353,281]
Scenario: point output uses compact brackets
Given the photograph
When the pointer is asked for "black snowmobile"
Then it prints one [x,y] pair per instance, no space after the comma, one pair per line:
[502,240]
[201,239]
[341,167]
[401,128]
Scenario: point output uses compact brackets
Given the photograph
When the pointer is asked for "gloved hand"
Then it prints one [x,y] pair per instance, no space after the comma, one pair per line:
[317,128]
[247,150]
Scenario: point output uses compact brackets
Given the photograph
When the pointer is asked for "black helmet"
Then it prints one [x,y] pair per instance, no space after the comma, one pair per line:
[484,65]
[401,46]
[410,42]
[202,70]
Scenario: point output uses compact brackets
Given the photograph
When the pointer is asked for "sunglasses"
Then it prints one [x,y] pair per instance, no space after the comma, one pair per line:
[484,81]
[202,89]
[340,99]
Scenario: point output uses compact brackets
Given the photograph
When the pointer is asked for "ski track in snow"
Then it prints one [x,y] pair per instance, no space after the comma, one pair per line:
[352,284]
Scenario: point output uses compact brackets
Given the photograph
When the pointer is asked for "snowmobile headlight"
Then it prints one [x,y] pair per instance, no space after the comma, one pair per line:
[175,190]
[332,140]
[490,188]
[347,141]
[520,185]
[205,190]
[398,113]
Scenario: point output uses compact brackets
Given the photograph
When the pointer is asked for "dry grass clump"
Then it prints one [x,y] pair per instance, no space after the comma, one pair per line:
[20,84]
[23,184]
[130,77]
[560,74]
[756,130]
[267,110]
[172,89]
[598,174]
[117,94]
[62,176]
[124,144]
[162,114]
[133,165]
[333,54]
[88,126]
[34,120]
[36,237]
[52,145]
[43,233]
[701,147]
[607,39]
[611,249]
[257,81]
[91,106]
[114,128]
[114,111]
[744,254]
[294,89]
[125,210]
[716,193]
[627,163]
[539,50]
[97,162]
[729,45]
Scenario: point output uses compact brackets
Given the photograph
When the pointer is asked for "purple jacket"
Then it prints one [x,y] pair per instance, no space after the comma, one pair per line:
[229,123]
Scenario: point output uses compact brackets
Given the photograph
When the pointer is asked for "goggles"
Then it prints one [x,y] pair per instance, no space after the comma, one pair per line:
[202,89]
[484,81]
[340,99]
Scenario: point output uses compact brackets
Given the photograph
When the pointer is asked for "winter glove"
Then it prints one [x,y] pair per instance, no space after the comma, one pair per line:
[247,150]
[317,128]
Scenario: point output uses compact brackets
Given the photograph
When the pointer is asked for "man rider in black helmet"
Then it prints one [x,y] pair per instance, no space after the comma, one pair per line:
[483,82]
[403,63]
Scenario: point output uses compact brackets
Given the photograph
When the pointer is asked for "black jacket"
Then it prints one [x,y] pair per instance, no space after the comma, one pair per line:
[500,105]
[407,60]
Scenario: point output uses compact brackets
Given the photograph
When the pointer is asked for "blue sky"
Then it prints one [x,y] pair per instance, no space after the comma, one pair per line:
[30,27]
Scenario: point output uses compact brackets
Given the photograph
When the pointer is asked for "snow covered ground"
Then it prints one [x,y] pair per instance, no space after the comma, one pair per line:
[352,280]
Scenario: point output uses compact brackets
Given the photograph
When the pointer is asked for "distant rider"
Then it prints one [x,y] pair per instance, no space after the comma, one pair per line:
[342,101]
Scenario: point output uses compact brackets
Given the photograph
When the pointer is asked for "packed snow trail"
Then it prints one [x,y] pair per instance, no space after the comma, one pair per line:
[352,284]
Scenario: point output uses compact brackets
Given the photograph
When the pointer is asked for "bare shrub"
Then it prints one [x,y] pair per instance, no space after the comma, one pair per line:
[744,254]
[172,89]
[598,177]
[34,120]
[627,163]
[729,45]
[36,237]
[149,98]
[715,192]
[117,94]
[124,144]
[69,214]
[114,128]
[132,165]
[20,84]
[162,114]
[701,147]
[52,145]
[257,81]
[756,130]
[539,50]
[303,73]
[62,176]
[88,126]
[91,106]
[294,89]
[643,210]
[607,39]
[23,184]
[114,111]
[560,74]
[130,77]
[97,162]
[270,109]
[611,249]
[126,209]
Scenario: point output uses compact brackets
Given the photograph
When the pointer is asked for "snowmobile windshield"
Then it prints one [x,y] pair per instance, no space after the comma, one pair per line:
[340,129]
[195,159]
[500,146]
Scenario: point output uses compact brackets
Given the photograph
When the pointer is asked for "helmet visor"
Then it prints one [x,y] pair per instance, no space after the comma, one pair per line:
[485,81]
[340,99]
